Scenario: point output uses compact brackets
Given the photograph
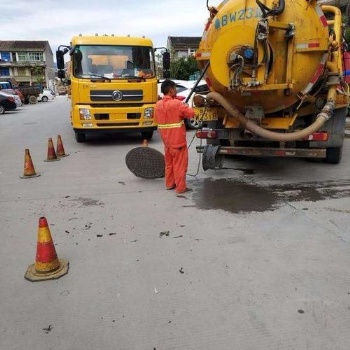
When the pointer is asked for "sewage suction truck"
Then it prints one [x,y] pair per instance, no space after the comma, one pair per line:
[277,74]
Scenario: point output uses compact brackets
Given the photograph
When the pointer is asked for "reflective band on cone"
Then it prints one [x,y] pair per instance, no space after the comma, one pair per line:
[29,170]
[51,154]
[60,149]
[47,265]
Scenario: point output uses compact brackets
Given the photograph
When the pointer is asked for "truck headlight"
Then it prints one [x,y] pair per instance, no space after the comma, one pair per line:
[149,112]
[84,114]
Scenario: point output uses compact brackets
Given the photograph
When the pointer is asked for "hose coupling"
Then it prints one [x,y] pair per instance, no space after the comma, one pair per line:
[327,110]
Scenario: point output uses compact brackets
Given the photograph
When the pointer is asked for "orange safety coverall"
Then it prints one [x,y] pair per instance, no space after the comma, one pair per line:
[170,114]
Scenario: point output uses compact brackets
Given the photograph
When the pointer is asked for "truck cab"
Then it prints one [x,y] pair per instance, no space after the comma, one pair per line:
[113,85]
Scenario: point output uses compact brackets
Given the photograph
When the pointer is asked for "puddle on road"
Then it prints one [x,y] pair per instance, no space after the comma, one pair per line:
[238,196]
[233,196]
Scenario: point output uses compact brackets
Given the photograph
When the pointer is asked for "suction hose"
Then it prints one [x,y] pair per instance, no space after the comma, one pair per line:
[321,118]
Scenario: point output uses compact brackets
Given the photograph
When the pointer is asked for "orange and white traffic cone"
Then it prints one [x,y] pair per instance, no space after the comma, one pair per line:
[145,143]
[60,149]
[47,265]
[29,170]
[51,154]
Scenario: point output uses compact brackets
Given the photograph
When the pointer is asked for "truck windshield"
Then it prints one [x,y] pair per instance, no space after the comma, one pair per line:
[112,62]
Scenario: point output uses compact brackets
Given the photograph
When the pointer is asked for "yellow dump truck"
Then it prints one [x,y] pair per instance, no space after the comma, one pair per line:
[276,71]
[113,84]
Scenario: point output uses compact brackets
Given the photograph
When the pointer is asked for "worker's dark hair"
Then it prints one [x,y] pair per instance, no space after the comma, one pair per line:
[166,86]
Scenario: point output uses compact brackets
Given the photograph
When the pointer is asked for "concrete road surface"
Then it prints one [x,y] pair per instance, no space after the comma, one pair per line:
[257,256]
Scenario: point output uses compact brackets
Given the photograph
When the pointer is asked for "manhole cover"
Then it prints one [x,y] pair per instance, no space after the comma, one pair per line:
[145,162]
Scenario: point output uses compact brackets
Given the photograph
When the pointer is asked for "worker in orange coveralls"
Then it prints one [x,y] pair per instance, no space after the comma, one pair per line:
[170,114]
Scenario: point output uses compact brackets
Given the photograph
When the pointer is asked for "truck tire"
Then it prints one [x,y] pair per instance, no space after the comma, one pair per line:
[80,136]
[211,158]
[32,100]
[193,124]
[146,135]
[334,155]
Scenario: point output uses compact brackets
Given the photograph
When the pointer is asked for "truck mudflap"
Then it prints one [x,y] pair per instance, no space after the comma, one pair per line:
[213,155]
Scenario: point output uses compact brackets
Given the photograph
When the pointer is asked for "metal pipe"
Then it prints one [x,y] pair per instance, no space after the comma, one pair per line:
[197,82]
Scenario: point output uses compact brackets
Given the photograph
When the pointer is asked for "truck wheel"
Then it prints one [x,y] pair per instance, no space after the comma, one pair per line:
[193,124]
[2,109]
[32,100]
[80,136]
[334,155]
[147,135]
[211,157]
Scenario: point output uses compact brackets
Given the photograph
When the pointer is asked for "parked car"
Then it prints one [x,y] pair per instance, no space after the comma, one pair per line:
[6,87]
[7,102]
[183,90]
[14,96]
[52,92]
[18,100]
[45,96]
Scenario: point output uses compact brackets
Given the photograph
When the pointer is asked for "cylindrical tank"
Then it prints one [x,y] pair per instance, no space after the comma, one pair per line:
[265,54]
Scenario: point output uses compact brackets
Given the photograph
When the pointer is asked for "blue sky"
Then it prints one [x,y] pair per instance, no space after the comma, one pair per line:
[58,21]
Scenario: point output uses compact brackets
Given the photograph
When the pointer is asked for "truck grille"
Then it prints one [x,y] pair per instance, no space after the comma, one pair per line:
[123,95]
[106,116]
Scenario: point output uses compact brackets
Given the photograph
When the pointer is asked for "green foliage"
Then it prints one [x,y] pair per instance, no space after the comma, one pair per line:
[38,73]
[183,68]
[347,35]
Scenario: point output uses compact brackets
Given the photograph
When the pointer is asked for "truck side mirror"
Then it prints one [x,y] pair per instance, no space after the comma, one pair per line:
[61,74]
[166,74]
[166,65]
[60,59]
[166,60]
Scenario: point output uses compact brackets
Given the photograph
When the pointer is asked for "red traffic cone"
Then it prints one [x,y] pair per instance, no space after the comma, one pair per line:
[51,154]
[145,143]
[29,170]
[47,265]
[60,149]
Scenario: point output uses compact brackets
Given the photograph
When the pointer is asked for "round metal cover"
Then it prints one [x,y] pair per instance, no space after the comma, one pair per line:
[145,162]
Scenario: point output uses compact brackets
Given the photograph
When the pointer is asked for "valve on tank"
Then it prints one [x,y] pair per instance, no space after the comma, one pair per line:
[242,59]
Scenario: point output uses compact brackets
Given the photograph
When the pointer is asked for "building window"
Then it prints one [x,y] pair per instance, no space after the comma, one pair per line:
[4,72]
[5,56]
[31,56]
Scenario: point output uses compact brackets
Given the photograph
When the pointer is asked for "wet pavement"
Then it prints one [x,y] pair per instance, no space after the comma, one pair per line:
[237,196]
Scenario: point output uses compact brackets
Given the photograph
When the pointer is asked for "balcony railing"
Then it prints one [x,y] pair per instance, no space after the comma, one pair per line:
[22,64]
